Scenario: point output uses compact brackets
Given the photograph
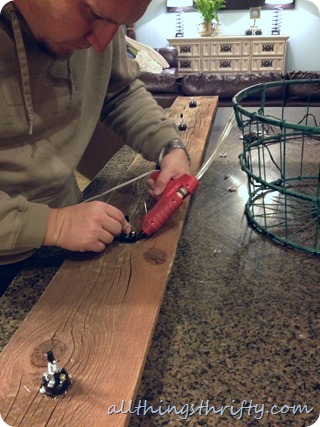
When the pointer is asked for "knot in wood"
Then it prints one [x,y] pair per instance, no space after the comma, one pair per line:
[155,256]
[39,355]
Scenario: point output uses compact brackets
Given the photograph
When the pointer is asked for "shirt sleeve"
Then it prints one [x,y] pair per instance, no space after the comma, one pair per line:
[130,110]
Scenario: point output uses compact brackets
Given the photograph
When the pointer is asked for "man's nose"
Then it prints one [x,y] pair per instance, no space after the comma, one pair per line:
[102,34]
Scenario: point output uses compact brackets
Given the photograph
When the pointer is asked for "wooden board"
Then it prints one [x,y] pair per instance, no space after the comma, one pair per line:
[99,312]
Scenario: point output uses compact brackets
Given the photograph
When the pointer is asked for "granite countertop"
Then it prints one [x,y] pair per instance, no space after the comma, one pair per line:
[240,320]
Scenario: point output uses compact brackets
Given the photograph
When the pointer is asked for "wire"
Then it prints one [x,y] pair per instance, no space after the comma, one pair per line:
[225,133]
[202,170]
[119,186]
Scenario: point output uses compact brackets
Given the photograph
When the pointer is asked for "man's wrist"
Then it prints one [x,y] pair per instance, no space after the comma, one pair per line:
[50,238]
[174,144]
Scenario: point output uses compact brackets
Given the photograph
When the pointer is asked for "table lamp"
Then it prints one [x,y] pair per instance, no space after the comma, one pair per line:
[277,14]
[179,6]
[254,14]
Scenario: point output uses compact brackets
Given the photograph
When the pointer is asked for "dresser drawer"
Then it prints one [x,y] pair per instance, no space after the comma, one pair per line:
[267,64]
[224,65]
[189,65]
[222,49]
[273,48]
[188,49]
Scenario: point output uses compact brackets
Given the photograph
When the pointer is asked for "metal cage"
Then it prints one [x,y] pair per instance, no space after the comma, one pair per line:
[281,157]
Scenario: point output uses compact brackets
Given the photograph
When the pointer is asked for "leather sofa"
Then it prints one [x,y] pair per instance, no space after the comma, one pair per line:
[166,86]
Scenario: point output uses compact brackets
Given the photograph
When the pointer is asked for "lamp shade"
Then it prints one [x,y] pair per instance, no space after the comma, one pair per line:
[317,3]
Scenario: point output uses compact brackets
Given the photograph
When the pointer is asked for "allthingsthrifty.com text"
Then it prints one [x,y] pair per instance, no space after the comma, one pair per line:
[204,407]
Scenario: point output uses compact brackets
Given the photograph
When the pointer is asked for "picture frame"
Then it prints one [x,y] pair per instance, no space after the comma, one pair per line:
[185,9]
[175,5]
[255,12]
[237,5]
[246,4]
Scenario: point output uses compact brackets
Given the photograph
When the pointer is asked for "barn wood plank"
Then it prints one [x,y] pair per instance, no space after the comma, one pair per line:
[99,312]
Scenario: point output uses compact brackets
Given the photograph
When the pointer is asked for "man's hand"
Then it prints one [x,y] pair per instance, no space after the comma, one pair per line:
[173,165]
[85,227]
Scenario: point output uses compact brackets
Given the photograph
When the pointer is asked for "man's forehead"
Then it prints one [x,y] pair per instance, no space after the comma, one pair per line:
[124,11]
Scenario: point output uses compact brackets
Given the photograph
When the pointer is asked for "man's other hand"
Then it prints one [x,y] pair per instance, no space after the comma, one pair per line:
[85,227]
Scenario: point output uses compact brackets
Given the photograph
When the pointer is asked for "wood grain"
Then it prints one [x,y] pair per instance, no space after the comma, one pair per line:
[99,312]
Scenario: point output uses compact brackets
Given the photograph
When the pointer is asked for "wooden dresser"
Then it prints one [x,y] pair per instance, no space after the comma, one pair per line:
[231,54]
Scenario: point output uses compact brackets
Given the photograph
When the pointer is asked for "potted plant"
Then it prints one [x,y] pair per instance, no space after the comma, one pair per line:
[208,9]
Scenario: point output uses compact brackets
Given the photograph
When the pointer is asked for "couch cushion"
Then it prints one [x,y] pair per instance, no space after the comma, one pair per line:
[147,63]
[303,91]
[164,82]
[170,54]
[226,85]
[173,71]
[149,59]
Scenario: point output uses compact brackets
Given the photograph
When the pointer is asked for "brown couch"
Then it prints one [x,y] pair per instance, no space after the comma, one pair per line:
[165,87]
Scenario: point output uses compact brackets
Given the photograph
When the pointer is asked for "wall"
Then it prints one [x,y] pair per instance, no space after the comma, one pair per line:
[302,24]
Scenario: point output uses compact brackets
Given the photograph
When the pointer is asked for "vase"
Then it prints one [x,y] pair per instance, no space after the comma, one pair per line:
[218,29]
[205,28]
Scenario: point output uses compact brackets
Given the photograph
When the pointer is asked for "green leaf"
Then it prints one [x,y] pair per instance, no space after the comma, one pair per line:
[209,8]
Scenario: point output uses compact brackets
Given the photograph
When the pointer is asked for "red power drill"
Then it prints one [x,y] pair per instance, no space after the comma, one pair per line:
[171,199]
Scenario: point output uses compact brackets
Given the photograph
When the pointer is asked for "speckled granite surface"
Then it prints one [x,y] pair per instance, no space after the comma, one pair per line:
[240,319]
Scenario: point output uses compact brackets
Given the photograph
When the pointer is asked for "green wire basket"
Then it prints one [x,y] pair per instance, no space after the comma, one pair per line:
[281,157]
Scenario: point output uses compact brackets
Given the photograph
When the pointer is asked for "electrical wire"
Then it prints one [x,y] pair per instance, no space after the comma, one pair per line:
[118,186]
[225,133]
[199,175]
